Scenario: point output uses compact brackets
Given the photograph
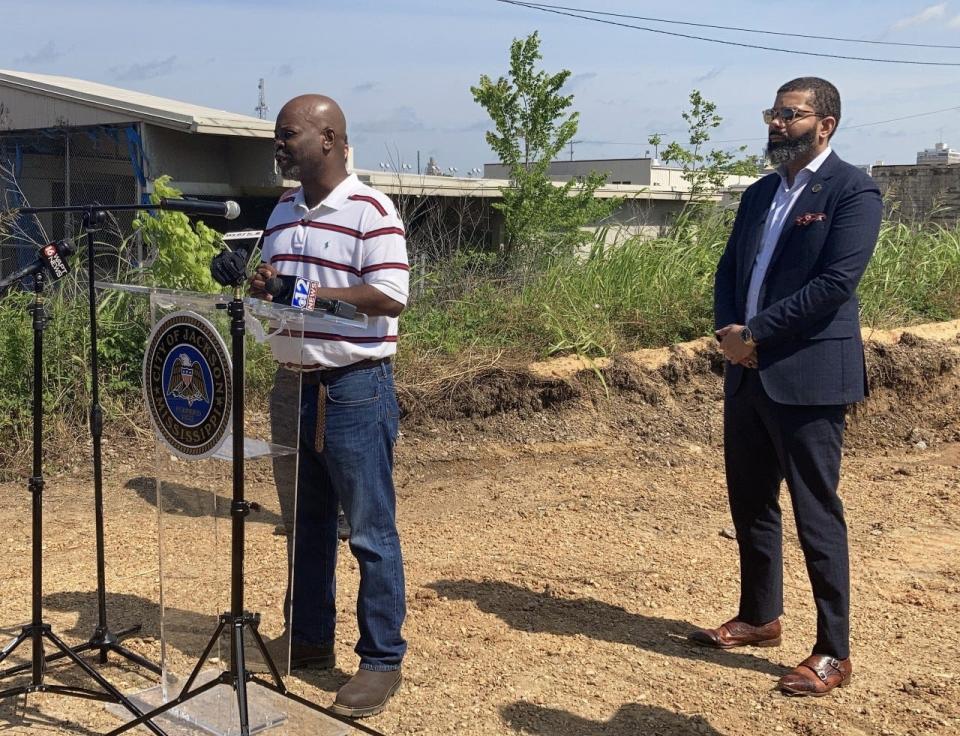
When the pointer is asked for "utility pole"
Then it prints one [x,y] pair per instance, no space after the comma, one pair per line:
[261,107]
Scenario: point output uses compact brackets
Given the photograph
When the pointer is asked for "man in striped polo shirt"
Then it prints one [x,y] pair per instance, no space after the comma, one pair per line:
[346,237]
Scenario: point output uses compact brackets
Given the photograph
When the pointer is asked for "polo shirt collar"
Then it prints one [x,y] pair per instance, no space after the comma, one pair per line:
[333,201]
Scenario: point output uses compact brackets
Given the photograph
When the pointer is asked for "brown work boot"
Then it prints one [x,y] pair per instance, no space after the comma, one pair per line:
[817,675]
[366,694]
[737,633]
[301,654]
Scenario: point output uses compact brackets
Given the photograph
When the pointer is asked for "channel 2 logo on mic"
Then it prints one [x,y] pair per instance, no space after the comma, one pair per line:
[304,294]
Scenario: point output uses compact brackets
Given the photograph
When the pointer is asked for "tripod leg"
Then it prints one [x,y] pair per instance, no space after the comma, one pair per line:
[203,657]
[240,670]
[8,650]
[133,657]
[101,681]
[271,665]
[145,718]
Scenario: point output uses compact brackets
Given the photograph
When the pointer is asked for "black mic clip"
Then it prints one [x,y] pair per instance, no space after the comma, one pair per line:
[336,307]
[229,267]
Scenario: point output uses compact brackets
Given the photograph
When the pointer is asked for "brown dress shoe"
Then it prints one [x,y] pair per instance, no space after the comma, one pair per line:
[817,675]
[366,693]
[737,633]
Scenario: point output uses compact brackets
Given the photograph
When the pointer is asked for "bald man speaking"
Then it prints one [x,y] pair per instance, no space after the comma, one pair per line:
[347,238]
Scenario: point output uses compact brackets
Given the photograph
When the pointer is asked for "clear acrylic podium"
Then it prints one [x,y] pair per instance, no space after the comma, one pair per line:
[226,543]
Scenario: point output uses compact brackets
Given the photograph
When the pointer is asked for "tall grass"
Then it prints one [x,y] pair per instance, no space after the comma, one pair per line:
[655,292]
[914,276]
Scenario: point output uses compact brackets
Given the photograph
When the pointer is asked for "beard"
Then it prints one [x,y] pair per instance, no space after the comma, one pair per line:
[790,149]
[290,171]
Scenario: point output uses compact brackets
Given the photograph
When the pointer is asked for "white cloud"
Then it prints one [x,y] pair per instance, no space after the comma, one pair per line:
[955,22]
[931,12]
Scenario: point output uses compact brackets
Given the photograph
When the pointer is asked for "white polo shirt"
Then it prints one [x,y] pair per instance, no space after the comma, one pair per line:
[352,237]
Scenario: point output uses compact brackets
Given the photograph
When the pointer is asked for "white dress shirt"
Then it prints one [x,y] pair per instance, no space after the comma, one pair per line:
[783,202]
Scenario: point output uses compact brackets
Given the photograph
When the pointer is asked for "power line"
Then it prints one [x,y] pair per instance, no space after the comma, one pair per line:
[750,140]
[551,9]
[543,6]
[905,117]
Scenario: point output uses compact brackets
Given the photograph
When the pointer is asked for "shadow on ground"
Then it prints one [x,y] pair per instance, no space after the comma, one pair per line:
[184,500]
[528,610]
[20,718]
[632,719]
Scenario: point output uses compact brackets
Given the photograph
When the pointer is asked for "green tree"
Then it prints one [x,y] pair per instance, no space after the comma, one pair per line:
[532,124]
[705,170]
[181,252]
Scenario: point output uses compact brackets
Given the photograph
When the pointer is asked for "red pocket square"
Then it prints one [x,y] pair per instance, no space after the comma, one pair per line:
[807,218]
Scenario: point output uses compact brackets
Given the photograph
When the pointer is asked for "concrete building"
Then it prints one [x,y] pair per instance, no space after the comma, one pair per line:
[927,192]
[940,154]
[633,172]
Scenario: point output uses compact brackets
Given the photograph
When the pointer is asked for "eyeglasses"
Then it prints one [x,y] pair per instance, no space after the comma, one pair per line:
[788,114]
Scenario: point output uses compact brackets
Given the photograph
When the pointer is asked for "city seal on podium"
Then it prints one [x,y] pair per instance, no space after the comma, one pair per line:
[187,384]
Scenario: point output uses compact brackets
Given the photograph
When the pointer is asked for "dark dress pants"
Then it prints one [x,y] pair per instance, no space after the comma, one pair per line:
[765,443]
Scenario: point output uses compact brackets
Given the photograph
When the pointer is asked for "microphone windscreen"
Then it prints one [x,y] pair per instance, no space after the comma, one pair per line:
[278,288]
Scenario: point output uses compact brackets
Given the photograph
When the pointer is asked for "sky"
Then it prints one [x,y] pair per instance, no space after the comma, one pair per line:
[402,70]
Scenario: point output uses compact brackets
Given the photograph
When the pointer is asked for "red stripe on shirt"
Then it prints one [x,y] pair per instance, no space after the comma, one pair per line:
[283,226]
[317,225]
[334,228]
[383,231]
[293,258]
[370,200]
[384,267]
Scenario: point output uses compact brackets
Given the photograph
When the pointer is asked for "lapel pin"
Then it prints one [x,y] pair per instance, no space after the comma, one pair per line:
[816,187]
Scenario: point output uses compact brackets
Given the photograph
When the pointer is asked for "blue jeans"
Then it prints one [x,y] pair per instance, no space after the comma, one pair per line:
[355,471]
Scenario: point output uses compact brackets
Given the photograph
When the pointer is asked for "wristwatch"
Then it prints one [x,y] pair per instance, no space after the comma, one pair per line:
[747,336]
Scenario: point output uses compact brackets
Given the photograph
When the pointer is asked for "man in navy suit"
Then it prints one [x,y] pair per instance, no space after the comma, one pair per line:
[787,319]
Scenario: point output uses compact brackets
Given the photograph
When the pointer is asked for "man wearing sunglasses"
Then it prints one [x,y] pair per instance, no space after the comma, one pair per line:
[787,321]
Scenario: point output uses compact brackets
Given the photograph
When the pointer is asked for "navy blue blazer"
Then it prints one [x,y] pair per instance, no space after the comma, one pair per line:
[807,325]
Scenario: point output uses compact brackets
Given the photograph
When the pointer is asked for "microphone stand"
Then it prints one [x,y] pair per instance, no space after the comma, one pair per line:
[38,630]
[103,639]
[241,624]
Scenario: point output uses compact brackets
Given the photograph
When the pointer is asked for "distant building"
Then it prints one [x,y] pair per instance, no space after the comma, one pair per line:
[939,154]
[926,192]
[635,172]
[868,168]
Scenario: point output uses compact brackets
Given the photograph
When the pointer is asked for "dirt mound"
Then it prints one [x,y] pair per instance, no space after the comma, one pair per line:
[914,378]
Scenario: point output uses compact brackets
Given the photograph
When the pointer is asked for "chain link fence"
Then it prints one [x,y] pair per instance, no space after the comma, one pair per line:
[58,167]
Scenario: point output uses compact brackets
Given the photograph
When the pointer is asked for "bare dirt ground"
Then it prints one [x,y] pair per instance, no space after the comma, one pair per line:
[562,534]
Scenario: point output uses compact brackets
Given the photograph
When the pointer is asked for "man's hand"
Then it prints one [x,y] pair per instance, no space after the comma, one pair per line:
[258,281]
[751,360]
[734,348]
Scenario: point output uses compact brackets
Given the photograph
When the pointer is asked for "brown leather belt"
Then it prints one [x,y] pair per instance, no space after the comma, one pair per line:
[325,375]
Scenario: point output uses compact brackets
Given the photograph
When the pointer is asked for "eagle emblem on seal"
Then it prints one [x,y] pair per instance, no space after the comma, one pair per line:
[186,381]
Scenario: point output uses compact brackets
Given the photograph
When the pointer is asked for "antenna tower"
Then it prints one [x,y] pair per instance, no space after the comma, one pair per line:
[261,107]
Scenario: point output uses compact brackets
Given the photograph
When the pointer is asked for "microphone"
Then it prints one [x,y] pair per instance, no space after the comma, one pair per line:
[50,257]
[229,209]
[279,287]
[302,294]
